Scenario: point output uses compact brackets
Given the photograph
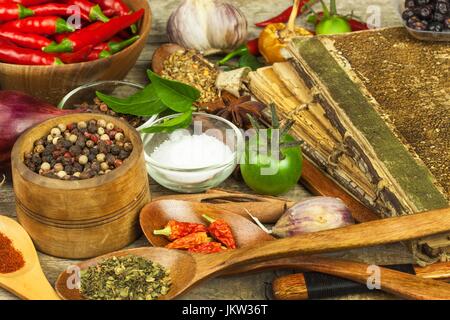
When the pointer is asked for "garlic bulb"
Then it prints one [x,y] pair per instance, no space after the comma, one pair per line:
[312,215]
[207,25]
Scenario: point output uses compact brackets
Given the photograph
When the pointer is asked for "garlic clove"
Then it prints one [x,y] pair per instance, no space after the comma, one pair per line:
[313,215]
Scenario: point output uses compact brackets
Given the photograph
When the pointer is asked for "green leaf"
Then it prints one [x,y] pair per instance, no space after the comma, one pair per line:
[182,121]
[248,60]
[175,95]
[143,103]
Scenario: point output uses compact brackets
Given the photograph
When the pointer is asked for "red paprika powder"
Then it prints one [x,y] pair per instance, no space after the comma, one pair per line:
[11,259]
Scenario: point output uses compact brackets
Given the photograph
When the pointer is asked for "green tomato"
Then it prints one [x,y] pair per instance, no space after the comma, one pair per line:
[288,170]
[333,25]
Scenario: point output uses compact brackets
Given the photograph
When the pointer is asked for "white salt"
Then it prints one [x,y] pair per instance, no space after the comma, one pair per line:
[185,151]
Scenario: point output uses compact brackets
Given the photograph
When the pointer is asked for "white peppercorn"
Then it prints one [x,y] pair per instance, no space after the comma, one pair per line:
[55,140]
[83,159]
[49,138]
[58,167]
[101,131]
[100,157]
[62,127]
[104,166]
[104,137]
[119,136]
[73,138]
[45,166]
[101,123]
[109,126]
[55,132]
[82,125]
[61,174]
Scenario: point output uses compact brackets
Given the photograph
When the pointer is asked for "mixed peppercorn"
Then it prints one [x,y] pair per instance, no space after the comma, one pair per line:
[79,151]
[198,238]
[100,107]
[431,15]
[39,32]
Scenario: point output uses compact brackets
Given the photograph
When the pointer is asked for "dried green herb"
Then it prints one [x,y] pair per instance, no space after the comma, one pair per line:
[125,278]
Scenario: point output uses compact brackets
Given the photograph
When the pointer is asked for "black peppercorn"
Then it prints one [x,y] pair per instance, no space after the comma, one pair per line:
[75,150]
[69,169]
[115,150]
[123,155]
[36,159]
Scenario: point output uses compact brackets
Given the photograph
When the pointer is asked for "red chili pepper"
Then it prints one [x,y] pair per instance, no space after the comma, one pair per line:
[189,241]
[210,247]
[14,11]
[113,7]
[89,28]
[176,230]
[56,9]
[250,47]
[284,16]
[27,40]
[94,12]
[10,53]
[76,57]
[357,25]
[221,231]
[75,42]
[39,25]
[26,3]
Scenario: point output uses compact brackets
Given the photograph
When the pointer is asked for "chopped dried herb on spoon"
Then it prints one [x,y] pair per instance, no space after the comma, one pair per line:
[125,278]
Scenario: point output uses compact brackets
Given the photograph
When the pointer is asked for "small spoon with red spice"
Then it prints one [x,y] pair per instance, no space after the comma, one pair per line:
[20,270]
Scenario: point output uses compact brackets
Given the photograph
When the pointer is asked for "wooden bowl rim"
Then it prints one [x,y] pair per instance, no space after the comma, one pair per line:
[143,35]
[49,183]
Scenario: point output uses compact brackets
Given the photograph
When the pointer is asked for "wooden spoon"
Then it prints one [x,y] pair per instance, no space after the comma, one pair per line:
[29,282]
[188,270]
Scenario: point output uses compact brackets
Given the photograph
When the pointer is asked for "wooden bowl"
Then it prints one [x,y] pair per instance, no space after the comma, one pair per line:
[51,83]
[85,218]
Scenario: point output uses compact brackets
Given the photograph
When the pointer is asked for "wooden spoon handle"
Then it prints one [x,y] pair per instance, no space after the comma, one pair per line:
[401,284]
[361,235]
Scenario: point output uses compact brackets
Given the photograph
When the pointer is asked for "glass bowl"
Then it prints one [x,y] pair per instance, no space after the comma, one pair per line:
[86,93]
[187,172]
[418,34]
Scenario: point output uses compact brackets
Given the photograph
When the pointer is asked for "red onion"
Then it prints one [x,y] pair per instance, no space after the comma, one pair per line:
[312,215]
[18,112]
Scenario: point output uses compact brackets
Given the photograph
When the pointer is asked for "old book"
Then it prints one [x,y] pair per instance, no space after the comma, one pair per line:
[374,111]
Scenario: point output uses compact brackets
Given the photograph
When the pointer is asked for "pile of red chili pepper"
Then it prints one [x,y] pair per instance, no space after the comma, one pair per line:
[197,237]
[11,259]
[51,32]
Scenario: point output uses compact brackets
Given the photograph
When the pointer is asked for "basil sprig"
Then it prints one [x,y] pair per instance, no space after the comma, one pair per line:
[159,96]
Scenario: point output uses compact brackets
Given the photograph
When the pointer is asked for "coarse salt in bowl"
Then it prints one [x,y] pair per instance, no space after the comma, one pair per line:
[194,159]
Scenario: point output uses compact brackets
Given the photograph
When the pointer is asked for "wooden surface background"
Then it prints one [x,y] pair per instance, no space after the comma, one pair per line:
[254,286]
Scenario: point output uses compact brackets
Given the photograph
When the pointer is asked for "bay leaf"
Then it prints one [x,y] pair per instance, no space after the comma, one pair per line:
[175,95]
[143,103]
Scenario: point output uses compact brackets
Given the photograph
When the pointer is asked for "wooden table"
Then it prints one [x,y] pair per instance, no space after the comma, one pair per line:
[246,286]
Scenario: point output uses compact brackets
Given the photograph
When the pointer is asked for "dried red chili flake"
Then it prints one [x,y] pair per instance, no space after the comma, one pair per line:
[11,259]
[221,231]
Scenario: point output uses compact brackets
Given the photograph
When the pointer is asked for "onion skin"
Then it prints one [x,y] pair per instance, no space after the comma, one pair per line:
[312,215]
[18,112]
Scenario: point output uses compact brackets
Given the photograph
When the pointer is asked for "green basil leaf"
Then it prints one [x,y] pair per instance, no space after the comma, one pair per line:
[175,95]
[143,103]
[182,121]
[248,60]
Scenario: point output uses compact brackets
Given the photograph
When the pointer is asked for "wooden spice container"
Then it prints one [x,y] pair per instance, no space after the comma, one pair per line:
[84,218]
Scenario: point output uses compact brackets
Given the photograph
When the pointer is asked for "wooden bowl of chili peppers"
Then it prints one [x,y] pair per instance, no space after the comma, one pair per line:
[44,54]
